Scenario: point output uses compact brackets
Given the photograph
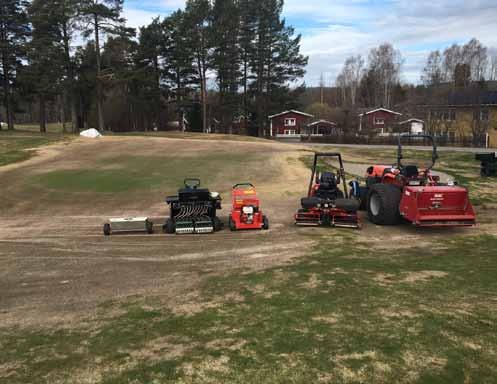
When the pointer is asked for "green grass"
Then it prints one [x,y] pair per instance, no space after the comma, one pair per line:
[423,315]
[19,146]
[142,173]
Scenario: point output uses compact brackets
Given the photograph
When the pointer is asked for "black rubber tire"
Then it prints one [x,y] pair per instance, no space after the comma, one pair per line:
[348,205]
[218,224]
[107,229]
[388,197]
[310,202]
[232,225]
[150,227]
[265,223]
[169,227]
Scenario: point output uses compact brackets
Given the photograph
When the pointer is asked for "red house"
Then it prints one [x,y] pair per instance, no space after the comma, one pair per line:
[379,121]
[289,124]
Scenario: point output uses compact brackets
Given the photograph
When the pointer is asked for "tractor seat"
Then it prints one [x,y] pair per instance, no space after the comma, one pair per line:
[410,171]
[327,186]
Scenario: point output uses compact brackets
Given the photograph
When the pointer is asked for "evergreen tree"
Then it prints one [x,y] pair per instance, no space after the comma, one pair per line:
[101,17]
[197,18]
[276,62]
[14,30]
[227,57]
[45,56]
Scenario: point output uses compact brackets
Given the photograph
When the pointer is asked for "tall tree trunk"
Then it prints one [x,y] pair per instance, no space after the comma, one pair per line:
[100,109]
[6,97]
[69,91]
[43,117]
[63,111]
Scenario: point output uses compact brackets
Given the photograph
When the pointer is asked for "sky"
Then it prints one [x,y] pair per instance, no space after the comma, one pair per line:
[334,30]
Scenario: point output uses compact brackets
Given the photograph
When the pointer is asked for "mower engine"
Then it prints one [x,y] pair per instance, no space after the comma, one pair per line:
[245,212]
[193,210]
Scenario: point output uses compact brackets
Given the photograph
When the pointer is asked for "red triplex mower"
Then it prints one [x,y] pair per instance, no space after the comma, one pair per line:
[246,212]
[326,204]
[416,195]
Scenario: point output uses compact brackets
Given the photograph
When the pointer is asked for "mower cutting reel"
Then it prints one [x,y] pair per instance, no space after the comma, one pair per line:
[416,195]
[326,204]
[193,210]
[246,212]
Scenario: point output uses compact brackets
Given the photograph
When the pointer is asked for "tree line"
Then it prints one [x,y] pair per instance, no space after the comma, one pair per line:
[211,62]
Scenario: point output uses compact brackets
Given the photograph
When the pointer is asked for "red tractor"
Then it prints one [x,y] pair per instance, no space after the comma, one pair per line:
[246,212]
[326,204]
[416,195]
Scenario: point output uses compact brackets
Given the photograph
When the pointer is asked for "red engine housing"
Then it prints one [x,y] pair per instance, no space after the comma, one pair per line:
[245,212]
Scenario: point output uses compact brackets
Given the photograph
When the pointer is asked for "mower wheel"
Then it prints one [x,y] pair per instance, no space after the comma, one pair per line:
[348,205]
[265,223]
[107,229]
[383,204]
[169,227]
[232,225]
[218,224]
[150,227]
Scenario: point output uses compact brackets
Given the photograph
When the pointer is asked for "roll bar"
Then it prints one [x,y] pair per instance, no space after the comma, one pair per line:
[341,171]
[400,156]
[236,186]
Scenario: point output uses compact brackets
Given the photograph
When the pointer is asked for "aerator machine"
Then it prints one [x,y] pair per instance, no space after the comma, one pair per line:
[245,211]
[326,204]
[193,210]
[416,195]
[488,164]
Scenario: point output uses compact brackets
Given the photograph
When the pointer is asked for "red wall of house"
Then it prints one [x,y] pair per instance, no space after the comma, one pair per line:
[388,117]
[279,123]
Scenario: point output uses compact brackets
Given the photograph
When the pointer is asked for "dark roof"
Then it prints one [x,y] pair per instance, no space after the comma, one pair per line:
[473,98]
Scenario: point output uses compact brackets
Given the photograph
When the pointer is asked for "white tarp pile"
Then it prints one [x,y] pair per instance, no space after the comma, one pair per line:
[91,133]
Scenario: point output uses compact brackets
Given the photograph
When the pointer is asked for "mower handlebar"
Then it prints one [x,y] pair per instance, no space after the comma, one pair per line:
[192,183]
[236,186]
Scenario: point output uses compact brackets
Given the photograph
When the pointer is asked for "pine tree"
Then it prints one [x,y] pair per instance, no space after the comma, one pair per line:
[197,18]
[14,30]
[227,57]
[276,62]
[97,17]
[45,56]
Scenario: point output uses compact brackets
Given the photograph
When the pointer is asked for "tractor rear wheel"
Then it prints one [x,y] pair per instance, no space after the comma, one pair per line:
[383,204]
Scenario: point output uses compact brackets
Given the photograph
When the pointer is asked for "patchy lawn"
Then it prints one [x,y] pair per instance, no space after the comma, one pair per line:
[19,146]
[426,313]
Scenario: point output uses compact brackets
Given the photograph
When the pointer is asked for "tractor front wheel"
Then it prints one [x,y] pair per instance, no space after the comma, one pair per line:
[383,204]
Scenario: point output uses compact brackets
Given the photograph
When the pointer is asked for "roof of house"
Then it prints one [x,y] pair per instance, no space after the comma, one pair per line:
[412,121]
[290,111]
[322,121]
[381,109]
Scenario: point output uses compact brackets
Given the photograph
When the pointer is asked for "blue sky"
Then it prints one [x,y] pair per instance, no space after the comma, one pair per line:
[334,30]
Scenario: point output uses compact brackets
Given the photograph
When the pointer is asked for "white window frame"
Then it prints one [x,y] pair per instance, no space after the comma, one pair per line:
[379,121]
[291,122]
[290,132]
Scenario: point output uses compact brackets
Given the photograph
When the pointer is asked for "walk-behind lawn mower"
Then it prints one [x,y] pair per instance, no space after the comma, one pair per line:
[245,211]
[326,204]
[488,164]
[416,195]
[193,210]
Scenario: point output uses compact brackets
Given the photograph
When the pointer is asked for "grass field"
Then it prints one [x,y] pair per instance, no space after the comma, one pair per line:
[19,146]
[342,315]
[381,305]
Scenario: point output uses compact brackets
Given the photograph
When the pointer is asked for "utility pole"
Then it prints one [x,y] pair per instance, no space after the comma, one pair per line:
[321,85]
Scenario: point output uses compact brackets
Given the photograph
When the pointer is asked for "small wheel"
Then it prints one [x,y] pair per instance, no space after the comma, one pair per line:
[107,229]
[232,224]
[169,227]
[265,223]
[218,224]
[150,227]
